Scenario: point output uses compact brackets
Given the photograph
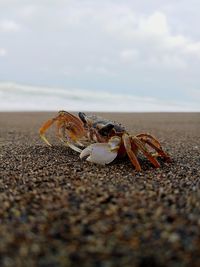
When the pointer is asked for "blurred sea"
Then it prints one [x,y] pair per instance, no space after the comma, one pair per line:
[16,97]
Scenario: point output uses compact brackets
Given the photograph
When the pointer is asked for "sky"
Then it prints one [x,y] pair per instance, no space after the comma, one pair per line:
[147,49]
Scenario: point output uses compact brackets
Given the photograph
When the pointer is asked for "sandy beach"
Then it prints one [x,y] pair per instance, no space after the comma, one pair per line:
[57,210]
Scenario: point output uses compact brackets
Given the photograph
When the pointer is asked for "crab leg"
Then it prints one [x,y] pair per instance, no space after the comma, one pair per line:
[149,136]
[68,142]
[142,147]
[75,148]
[75,120]
[71,145]
[43,129]
[127,144]
[159,150]
[64,120]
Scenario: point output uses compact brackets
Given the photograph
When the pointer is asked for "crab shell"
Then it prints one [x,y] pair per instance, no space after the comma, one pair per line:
[107,134]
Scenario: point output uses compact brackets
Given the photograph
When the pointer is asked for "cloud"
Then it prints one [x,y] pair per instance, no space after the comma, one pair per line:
[3,52]
[155,24]
[27,11]
[99,70]
[151,36]
[148,48]
[72,99]
[129,55]
[9,26]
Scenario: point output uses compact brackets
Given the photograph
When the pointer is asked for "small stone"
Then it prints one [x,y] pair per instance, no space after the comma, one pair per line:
[174,237]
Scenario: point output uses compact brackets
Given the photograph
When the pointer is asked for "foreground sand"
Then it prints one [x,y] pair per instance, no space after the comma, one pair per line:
[56,210]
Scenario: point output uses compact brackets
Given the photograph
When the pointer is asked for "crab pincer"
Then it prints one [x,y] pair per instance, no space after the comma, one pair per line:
[102,153]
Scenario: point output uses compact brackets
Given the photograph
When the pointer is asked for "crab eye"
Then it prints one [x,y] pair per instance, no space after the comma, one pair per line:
[82,117]
[106,129]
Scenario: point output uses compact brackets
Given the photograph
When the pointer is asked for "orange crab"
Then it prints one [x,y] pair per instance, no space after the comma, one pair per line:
[101,141]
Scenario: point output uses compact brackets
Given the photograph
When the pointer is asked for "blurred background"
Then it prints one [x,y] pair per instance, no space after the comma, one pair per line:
[106,55]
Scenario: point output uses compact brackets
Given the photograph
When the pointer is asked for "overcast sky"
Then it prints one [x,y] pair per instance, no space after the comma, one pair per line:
[147,48]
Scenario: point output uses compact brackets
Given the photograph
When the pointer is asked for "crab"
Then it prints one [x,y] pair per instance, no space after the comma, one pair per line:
[100,141]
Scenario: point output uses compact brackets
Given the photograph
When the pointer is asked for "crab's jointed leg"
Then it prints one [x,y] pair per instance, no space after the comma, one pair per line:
[44,128]
[145,151]
[71,127]
[64,137]
[153,143]
[131,152]
[149,136]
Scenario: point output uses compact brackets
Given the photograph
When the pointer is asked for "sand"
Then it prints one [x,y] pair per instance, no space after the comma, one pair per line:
[56,210]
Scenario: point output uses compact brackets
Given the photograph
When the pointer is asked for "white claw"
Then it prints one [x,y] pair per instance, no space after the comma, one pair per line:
[101,153]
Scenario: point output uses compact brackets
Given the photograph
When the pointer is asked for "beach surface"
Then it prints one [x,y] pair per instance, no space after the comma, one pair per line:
[57,210]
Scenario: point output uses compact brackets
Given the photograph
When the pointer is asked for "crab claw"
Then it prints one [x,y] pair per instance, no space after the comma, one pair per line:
[102,153]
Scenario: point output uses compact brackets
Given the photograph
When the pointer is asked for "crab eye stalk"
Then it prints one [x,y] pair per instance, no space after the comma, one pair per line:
[106,129]
[82,117]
